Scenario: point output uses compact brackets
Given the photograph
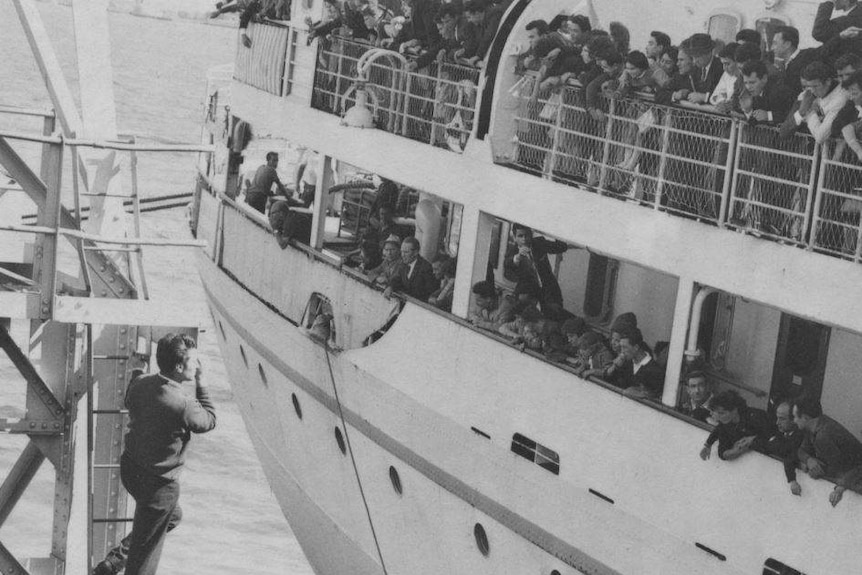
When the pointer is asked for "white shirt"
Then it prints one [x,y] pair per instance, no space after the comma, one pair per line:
[819,125]
[410,267]
[724,89]
[644,360]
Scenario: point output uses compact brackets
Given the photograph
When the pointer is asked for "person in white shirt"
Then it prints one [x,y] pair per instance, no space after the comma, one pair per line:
[818,104]
[725,92]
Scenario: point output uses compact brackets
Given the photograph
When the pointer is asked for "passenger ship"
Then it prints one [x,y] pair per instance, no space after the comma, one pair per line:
[412,442]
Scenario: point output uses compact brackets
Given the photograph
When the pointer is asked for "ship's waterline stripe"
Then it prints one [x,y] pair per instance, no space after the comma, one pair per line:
[515,522]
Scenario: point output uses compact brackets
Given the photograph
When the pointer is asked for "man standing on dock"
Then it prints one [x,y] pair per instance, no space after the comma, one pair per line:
[162,417]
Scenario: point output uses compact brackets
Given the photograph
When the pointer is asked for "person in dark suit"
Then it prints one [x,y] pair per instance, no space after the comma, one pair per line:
[764,99]
[707,66]
[699,391]
[647,379]
[527,264]
[792,60]
[416,276]
[826,28]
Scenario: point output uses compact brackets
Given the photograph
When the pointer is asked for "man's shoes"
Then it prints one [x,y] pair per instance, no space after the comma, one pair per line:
[114,562]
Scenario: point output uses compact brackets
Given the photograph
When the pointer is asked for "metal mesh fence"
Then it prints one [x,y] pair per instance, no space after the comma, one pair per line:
[773,183]
[836,229]
[674,160]
[436,107]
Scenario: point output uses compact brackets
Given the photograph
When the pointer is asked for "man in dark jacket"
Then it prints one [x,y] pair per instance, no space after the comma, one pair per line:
[162,417]
[416,277]
[765,99]
[528,265]
[826,28]
[483,20]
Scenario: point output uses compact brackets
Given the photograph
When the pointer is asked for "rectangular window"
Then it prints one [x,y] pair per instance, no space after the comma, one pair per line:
[537,453]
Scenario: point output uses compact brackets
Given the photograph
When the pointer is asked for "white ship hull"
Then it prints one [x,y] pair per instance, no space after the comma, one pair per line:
[409,402]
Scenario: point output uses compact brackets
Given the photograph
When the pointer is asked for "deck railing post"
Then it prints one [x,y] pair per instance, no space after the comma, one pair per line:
[822,166]
[606,149]
[667,123]
[729,172]
[812,186]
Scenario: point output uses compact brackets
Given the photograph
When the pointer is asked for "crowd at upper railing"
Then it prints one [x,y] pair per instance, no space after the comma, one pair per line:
[813,89]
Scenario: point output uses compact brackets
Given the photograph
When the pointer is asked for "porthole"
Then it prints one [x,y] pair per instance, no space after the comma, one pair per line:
[481,539]
[221,329]
[262,375]
[296,406]
[242,353]
[555,572]
[339,439]
[395,479]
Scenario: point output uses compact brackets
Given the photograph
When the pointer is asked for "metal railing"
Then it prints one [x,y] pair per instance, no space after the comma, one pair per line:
[773,183]
[674,160]
[263,64]
[435,107]
[836,228]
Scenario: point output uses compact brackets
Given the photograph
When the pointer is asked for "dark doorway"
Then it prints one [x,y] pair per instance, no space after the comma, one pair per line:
[800,359]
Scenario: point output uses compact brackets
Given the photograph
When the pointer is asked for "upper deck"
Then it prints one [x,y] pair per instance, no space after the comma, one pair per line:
[675,186]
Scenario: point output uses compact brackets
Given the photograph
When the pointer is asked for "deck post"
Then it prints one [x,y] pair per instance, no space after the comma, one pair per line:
[681,313]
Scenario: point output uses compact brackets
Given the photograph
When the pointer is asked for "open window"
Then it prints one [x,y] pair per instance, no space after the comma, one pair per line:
[723,24]
[319,321]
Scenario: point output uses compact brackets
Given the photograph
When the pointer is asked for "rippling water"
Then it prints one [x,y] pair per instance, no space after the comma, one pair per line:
[231,523]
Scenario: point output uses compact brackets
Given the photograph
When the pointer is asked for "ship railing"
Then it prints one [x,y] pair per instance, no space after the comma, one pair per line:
[263,64]
[434,105]
[774,183]
[836,227]
[670,159]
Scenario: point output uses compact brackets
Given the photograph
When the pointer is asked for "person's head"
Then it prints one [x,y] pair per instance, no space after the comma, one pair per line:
[474,11]
[409,250]
[522,234]
[746,53]
[784,417]
[725,407]
[598,44]
[535,30]
[747,36]
[559,23]
[588,343]
[657,43]
[579,25]
[846,64]
[684,61]
[817,78]
[853,85]
[726,56]
[485,295]
[668,61]
[272,159]
[754,77]
[785,41]
[573,328]
[699,47]
[392,248]
[610,62]
[806,410]
[697,387]
[636,63]
[176,357]
[442,266]
[447,19]
[632,345]
[620,36]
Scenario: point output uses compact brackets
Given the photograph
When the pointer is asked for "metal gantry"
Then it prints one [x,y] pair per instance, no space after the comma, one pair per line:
[80,286]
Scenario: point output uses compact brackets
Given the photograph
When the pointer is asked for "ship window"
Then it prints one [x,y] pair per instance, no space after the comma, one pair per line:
[262,375]
[537,453]
[723,25]
[318,320]
[481,539]
[775,567]
[296,406]
[395,479]
[555,572]
[242,353]
[339,439]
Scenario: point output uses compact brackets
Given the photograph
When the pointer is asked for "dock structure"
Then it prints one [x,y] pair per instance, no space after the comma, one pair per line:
[73,280]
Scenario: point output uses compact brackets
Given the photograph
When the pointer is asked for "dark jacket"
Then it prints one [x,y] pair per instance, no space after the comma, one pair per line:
[705,85]
[534,276]
[650,379]
[751,422]
[480,36]
[786,447]
[776,98]
[161,420]
[679,82]
[424,28]
[793,70]
[421,284]
[825,28]
[834,446]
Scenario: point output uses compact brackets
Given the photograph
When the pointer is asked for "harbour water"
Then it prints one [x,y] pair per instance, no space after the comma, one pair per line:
[232,523]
